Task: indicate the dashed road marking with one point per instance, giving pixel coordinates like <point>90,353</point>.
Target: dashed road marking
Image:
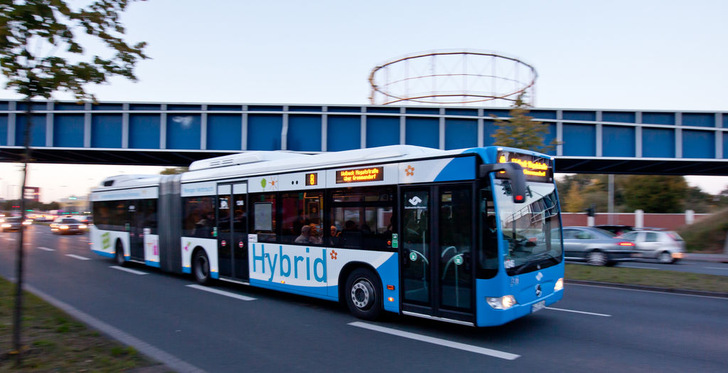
<point>437,341</point>
<point>220,292</point>
<point>129,270</point>
<point>579,312</point>
<point>79,257</point>
<point>45,248</point>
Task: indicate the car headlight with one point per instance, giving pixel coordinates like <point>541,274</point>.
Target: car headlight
<point>83,226</point>
<point>559,284</point>
<point>501,303</point>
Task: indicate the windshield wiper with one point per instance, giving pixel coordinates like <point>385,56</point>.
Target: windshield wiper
<point>537,261</point>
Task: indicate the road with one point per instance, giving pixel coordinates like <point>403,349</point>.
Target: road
<point>238,328</point>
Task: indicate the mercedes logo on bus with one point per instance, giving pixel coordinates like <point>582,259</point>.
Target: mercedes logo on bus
<point>538,290</point>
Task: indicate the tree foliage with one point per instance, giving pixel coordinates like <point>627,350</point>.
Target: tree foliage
<point>40,52</point>
<point>656,194</point>
<point>520,130</point>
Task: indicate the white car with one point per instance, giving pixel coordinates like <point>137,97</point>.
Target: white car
<point>665,246</point>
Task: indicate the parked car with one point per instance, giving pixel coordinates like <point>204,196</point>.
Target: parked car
<point>665,246</point>
<point>68,226</point>
<point>596,246</point>
<point>618,230</point>
<point>10,223</point>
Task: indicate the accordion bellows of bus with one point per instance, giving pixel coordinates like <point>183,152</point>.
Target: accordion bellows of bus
<point>468,236</point>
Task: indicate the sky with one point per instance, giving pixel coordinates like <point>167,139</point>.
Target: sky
<point>647,55</point>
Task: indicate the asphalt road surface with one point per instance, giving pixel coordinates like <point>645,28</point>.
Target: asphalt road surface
<point>238,328</point>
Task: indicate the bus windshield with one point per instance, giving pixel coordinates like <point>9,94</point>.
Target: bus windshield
<point>527,227</point>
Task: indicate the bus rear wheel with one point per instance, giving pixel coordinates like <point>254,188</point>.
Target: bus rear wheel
<point>201,268</point>
<point>363,294</point>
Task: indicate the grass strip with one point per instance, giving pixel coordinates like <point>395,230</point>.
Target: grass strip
<point>648,277</point>
<point>54,341</point>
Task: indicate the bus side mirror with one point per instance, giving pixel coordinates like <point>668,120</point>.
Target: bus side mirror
<point>514,172</point>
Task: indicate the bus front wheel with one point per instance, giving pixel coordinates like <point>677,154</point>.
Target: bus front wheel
<point>201,268</point>
<point>363,294</point>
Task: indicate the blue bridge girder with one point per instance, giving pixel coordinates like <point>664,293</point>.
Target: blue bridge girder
<point>175,134</point>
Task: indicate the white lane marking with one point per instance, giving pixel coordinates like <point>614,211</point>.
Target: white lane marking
<point>79,257</point>
<point>129,270</point>
<point>579,312</point>
<point>45,248</point>
<point>220,292</point>
<point>437,341</point>
<point>9,238</point>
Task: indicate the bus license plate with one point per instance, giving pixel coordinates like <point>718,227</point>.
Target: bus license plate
<point>538,306</point>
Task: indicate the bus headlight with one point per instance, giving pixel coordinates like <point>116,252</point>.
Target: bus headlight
<point>502,303</point>
<point>559,285</point>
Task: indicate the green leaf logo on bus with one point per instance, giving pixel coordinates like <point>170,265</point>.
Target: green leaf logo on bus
<point>263,183</point>
<point>106,241</point>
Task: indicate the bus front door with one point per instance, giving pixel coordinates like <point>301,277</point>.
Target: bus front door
<point>232,234</point>
<point>436,245</point>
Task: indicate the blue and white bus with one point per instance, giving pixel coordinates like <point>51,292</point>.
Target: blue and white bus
<point>465,236</point>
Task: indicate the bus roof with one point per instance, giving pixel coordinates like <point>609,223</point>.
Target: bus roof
<point>251,163</point>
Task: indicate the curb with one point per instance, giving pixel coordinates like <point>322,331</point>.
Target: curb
<point>649,288</point>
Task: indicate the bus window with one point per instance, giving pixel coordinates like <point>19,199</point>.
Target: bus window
<point>301,209</point>
<point>362,217</point>
<point>488,255</point>
<point>264,217</point>
<point>199,217</point>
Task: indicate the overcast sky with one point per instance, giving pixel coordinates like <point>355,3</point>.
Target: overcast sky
<point>654,55</point>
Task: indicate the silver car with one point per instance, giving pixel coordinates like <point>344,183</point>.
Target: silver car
<point>596,246</point>
<point>10,223</point>
<point>665,246</point>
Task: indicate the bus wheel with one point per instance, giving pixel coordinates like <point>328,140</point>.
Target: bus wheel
<point>119,256</point>
<point>201,268</point>
<point>363,295</point>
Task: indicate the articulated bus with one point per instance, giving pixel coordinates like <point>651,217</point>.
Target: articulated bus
<point>465,236</point>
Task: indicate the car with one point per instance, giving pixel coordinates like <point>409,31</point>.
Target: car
<point>595,246</point>
<point>618,230</point>
<point>68,226</point>
<point>665,246</point>
<point>10,223</point>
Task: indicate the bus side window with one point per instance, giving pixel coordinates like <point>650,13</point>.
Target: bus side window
<point>263,218</point>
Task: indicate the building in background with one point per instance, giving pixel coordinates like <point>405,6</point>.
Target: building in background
<point>74,205</point>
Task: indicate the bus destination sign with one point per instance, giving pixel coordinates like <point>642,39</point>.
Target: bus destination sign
<point>535,168</point>
<point>360,175</point>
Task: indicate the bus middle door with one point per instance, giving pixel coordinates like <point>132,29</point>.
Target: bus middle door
<point>232,234</point>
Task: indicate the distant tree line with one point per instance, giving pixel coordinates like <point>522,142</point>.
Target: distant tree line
<point>650,193</point>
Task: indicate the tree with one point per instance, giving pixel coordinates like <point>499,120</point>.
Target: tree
<point>520,130</point>
<point>40,54</point>
<point>655,194</point>
<point>574,201</point>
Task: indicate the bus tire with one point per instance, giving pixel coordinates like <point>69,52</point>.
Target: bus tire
<point>119,254</point>
<point>201,267</point>
<point>363,294</point>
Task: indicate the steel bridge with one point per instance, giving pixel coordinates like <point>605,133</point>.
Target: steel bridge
<point>175,134</point>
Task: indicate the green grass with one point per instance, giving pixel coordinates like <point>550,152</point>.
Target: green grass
<point>54,341</point>
<point>707,235</point>
<point>648,277</point>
